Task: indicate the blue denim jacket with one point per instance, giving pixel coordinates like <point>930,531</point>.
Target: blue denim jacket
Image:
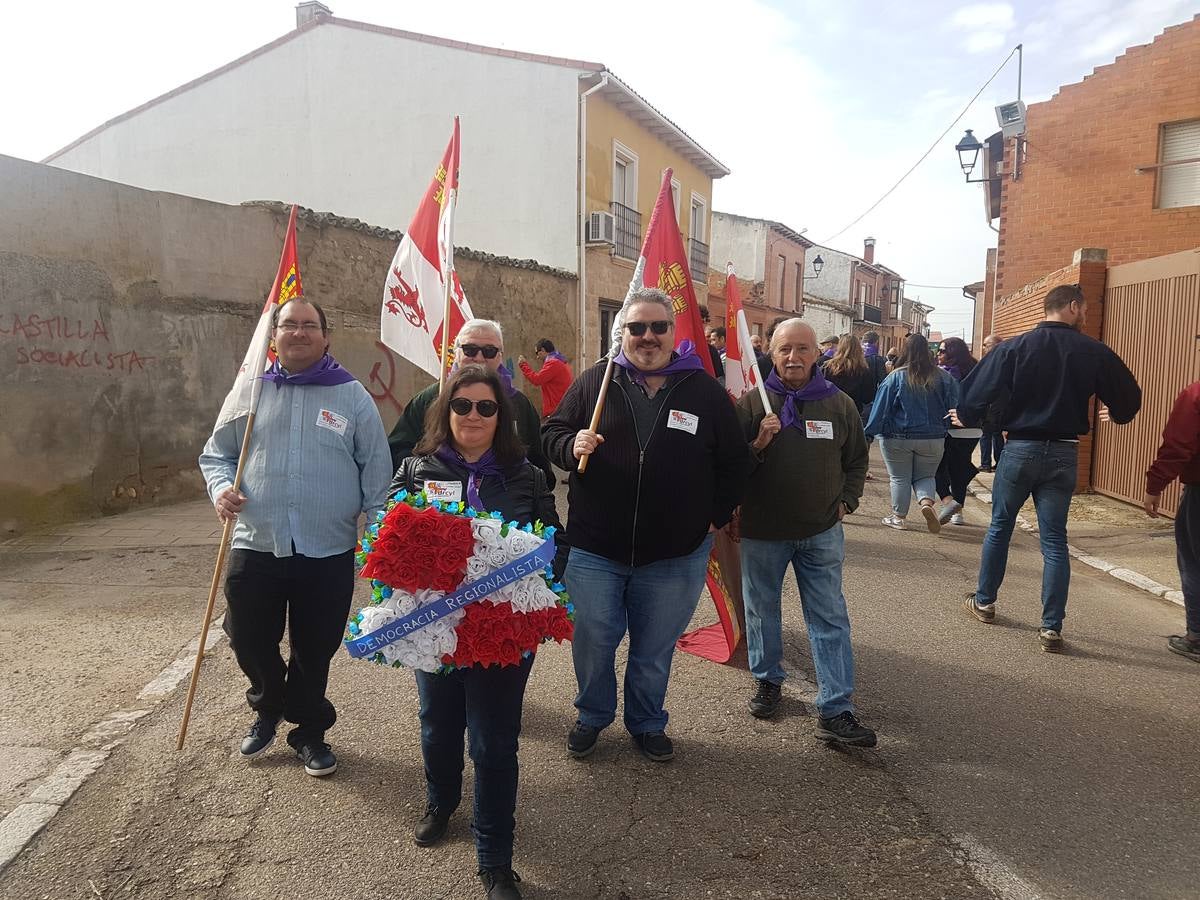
<point>903,411</point>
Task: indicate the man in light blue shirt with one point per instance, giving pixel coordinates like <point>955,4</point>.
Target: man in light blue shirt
<point>318,457</point>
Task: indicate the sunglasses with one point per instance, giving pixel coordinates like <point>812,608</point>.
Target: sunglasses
<point>472,350</point>
<point>462,406</point>
<point>637,329</point>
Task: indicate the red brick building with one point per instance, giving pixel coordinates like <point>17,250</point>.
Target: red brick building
<point>1111,162</point>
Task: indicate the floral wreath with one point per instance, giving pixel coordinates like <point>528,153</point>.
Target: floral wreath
<point>419,551</point>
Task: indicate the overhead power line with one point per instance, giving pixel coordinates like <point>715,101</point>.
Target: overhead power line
<point>924,155</point>
<point>935,287</point>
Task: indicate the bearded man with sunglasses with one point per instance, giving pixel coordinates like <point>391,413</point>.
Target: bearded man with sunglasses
<point>666,467</point>
<point>479,342</point>
<point>317,458</point>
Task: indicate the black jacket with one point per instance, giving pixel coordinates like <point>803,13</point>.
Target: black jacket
<point>859,387</point>
<point>411,426</point>
<point>1044,380</point>
<point>639,506</point>
<point>522,495</point>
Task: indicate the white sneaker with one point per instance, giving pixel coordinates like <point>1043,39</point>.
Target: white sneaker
<point>947,511</point>
<point>894,522</point>
<point>957,519</point>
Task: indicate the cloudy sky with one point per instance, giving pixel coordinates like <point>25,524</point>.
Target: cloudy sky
<point>817,106</point>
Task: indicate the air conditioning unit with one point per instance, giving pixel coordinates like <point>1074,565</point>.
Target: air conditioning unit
<point>602,228</point>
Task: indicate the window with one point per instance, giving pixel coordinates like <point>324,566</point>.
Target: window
<point>1179,184</point>
<point>782,280</point>
<point>608,318</point>
<point>698,220</point>
<point>625,176</point>
<point>799,286</point>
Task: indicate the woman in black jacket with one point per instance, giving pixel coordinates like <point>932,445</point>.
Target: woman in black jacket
<point>848,369</point>
<point>470,452</point>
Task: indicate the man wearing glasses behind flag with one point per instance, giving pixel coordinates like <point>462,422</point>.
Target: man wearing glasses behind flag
<point>666,467</point>
<point>479,342</point>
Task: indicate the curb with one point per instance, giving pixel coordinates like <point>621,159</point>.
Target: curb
<point>30,816</point>
<point>1130,577</point>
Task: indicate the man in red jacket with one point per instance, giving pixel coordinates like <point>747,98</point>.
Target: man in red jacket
<point>554,377</point>
<point>1179,457</point>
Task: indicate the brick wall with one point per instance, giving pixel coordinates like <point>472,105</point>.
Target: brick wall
<point>1077,185</point>
<point>1021,310</point>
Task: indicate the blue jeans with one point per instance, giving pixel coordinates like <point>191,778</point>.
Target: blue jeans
<point>1045,469</point>
<point>912,464</point>
<point>817,563</point>
<point>990,445</point>
<point>486,703</point>
<point>654,603</point>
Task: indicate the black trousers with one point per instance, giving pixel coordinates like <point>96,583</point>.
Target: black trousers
<point>1187,549</point>
<point>956,469</point>
<point>312,596</point>
<point>486,704</point>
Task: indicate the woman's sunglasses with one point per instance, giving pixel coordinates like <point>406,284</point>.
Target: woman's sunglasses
<point>462,406</point>
<point>637,329</point>
<point>488,351</point>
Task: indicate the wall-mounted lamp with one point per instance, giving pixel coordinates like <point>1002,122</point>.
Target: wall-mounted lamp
<point>817,265</point>
<point>968,154</point>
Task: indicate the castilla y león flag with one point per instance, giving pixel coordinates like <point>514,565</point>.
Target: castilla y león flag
<point>664,265</point>
<point>242,398</point>
<point>411,319</point>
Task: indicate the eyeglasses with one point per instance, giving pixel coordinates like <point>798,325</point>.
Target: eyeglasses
<point>471,350</point>
<point>297,327</point>
<point>462,406</point>
<point>637,329</point>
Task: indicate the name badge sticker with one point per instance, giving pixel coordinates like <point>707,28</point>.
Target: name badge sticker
<point>328,419</point>
<point>684,421</point>
<point>819,430</point>
<point>446,491</point>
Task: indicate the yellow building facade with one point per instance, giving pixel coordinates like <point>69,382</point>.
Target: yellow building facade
<point>628,145</point>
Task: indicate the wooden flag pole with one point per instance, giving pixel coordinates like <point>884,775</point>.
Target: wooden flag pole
<point>600,398</point>
<point>212,591</point>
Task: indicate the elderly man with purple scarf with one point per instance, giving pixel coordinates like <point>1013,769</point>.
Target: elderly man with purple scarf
<point>666,467</point>
<point>318,458</point>
<point>810,461</point>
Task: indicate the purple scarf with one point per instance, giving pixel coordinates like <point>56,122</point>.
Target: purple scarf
<point>870,350</point>
<point>953,370</point>
<point>556,355</point>
<point>684,359</point>
<point>486,465</point>
<point>325,372</point>
<point>816,389</point>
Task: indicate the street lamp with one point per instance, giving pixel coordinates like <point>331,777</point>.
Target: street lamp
<point>968,153</point>
<point>817,265</point>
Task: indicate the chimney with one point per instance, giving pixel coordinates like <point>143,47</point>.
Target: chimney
<point>869,251</point>
<point>309,10</point>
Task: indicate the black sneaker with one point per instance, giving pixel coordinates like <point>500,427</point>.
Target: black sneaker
<point>582,740</point>
<point>846,730</point>
<point>766,700</point>
<point>500,883</point>
<point>982,613</point>
<point>431,828</point>
<point>318,759</point>
<point>655,745</point>
<point>259,738</point>
<point>1184,646</point>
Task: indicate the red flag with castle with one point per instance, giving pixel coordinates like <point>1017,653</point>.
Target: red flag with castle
<point>666,268</point>
<point>242,398</point>
<point>411,318</point>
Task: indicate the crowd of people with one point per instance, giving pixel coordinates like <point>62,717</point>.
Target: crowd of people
<point>670,462</point>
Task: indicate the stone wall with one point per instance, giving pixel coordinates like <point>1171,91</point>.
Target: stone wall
<point>125,313</point>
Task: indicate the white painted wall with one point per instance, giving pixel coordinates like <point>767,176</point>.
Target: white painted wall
<point>825,321</point>
<point>834,281</point>
<point>742,241</point>
<point>354,122</point>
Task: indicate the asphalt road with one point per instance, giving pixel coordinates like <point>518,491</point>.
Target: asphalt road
<point>1001,770</point>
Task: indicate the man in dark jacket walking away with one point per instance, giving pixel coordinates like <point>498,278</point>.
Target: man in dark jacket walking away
<point>1179,457</point>
<point>666,467</point>
<point>1046,379</point>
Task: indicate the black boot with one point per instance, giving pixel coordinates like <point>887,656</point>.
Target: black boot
<point>500,883</point>
<point>432,827</point>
